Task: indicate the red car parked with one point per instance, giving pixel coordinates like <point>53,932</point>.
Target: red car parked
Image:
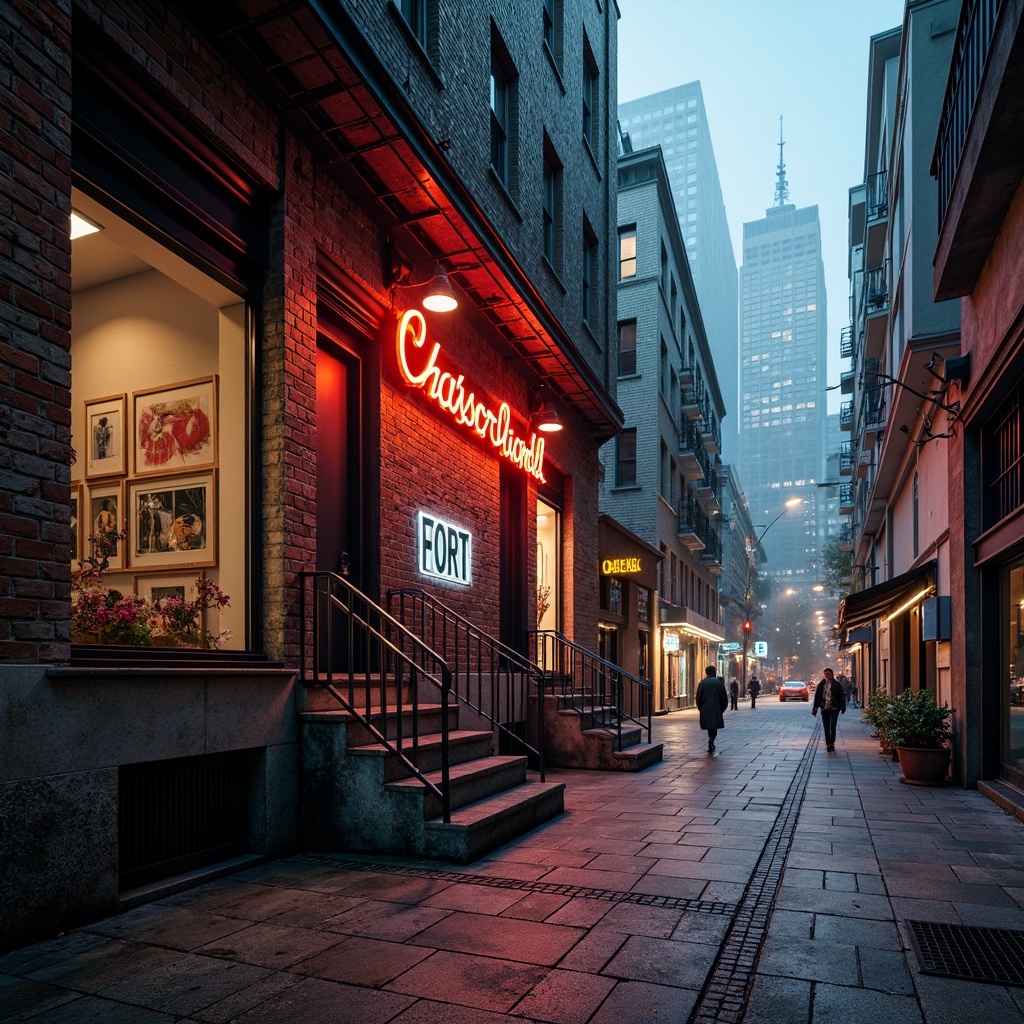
<point>793,689</point>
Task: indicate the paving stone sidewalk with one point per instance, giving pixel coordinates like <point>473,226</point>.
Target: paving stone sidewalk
<point>770,882</point>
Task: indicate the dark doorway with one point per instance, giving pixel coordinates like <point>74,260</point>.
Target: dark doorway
<point>338,490</point>
<point>512,561</point>
<point>338,496</point>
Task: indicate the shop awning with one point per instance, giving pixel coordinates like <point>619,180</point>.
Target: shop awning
<point>876,601</point>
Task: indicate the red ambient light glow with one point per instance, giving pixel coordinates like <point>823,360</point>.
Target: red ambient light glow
<point>451,394</point>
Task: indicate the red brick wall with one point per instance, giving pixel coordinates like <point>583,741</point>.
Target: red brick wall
<point>426,462</point>
<point>35,318</point>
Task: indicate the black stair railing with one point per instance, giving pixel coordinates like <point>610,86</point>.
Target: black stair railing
<point>590,683</point>
<point>489,677</point>
<point>375,668</point>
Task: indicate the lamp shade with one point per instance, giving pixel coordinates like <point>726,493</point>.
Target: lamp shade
<point>439,297</point>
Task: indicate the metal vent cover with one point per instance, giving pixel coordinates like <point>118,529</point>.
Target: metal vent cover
<point>991,955</point>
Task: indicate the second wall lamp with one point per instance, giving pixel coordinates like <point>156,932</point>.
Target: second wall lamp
<point>397,273</point>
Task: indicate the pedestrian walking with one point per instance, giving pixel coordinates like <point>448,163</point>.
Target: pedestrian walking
<point>754,689</point>
<point>712,700</point>
<point>830,698</point>
<point>734,693</point>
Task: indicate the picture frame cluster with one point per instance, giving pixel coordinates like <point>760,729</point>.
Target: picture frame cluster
<point>150,470</point>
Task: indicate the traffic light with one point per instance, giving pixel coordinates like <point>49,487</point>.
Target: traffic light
<point>747,626</point>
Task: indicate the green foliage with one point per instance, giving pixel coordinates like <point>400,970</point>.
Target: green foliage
<point>913,719</point>
<point>877,711</point>
<point>835,565</point>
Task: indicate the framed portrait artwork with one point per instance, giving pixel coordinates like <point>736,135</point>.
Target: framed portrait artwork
<point>174,428</point>
<point>105,450</point>
<point>76,522</point>
<point>104,518</point>
<point>157,587</point>
<point>172,522</point>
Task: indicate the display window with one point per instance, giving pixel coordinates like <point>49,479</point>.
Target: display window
<point>549,573</point>
<point>159,398</point>
<point>1012,690</point>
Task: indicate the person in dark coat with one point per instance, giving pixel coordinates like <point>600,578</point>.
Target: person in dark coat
<point>830,698</point>
<point>734,694</point>
<point>754,688</point>
<point>712,700</point>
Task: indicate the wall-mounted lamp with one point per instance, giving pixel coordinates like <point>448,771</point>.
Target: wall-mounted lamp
<point>397,273</point>
<point>543,415</point>
<point>81,226</point>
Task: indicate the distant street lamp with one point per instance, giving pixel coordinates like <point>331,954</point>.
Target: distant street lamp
<point>751,556</point>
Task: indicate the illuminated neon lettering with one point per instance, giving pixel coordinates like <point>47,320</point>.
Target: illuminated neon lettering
<point>449,391</point>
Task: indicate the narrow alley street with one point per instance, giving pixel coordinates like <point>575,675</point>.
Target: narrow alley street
<point>771,882</point>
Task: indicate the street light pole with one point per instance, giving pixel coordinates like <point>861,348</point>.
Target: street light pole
<point>751,555</point>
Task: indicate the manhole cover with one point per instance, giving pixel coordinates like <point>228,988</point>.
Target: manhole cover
<point>993,955</point>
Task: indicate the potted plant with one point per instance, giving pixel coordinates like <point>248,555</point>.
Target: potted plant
<point>918,730</point>
<point>877,714</point>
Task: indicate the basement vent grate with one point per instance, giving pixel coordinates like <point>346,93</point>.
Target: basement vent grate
<point>992,955</point>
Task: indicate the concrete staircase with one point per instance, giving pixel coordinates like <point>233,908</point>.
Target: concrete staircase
<point>587,737</point>
<point>358,796</point>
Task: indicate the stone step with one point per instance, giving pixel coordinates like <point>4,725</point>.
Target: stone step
<point>487,824</point>
<point>637,757</point>
<point>630,734</point>
<point>319,698</point>
<point>463,745</point>
<point>469,782</point>
<point>359,735</point>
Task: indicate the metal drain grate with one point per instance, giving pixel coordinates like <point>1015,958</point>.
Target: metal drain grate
<point>993,955</point>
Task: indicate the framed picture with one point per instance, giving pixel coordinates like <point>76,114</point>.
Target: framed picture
<point>76,522</point>
<point>104,517</point>
<point>105,451</point>
<point>174,429</point>
<point>159,586</point>
<point>172,522</point>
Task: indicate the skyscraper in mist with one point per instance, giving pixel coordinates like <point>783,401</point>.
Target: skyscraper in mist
<point>675,119</point>
<point>783,371</point>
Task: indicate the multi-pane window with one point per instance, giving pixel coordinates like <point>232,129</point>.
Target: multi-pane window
<point>627,348</point>
<point>549,212</point>
<point>552,206</point>
<point>415,13</point>
<point>625,458</point>
<point>627,252</point>
<point>589,271</point>
<point>590,95</point>
<point>499,121</point>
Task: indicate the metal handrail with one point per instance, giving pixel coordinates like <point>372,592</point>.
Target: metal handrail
<point>338,622</point>
<point>591,682</point>
<point>489,677</point>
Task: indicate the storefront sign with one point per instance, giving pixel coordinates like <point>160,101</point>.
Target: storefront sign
<point>670,643</point>
<point>729,648</point>
<point>452,393</point>
<point>445,551</point>
<point>620,566</point>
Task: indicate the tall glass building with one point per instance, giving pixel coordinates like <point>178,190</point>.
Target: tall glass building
<point>675,119</point>
<point>783,370</point>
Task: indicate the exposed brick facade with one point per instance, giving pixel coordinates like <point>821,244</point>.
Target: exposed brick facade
<point>424,461</point>
<point>35,317</point>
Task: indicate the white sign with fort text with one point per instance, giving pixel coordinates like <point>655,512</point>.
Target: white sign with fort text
<point>445,551</point>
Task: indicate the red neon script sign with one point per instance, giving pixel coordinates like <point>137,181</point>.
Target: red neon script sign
<point>450,392</point>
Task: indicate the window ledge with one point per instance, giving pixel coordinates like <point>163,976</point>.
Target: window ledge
<point>554,67</point>
<point>549,266</point>
<point>503,189</point>
<point>623,488</point>
<point>417,47</point>
<point>593,159</point>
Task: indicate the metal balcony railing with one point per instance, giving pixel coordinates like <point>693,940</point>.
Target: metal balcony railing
<point>845,456</point>
<point>876,286</point>
<point>877,195</point>
<point>846,415</point>
<point>970,54</point>
<point>846,343</point>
